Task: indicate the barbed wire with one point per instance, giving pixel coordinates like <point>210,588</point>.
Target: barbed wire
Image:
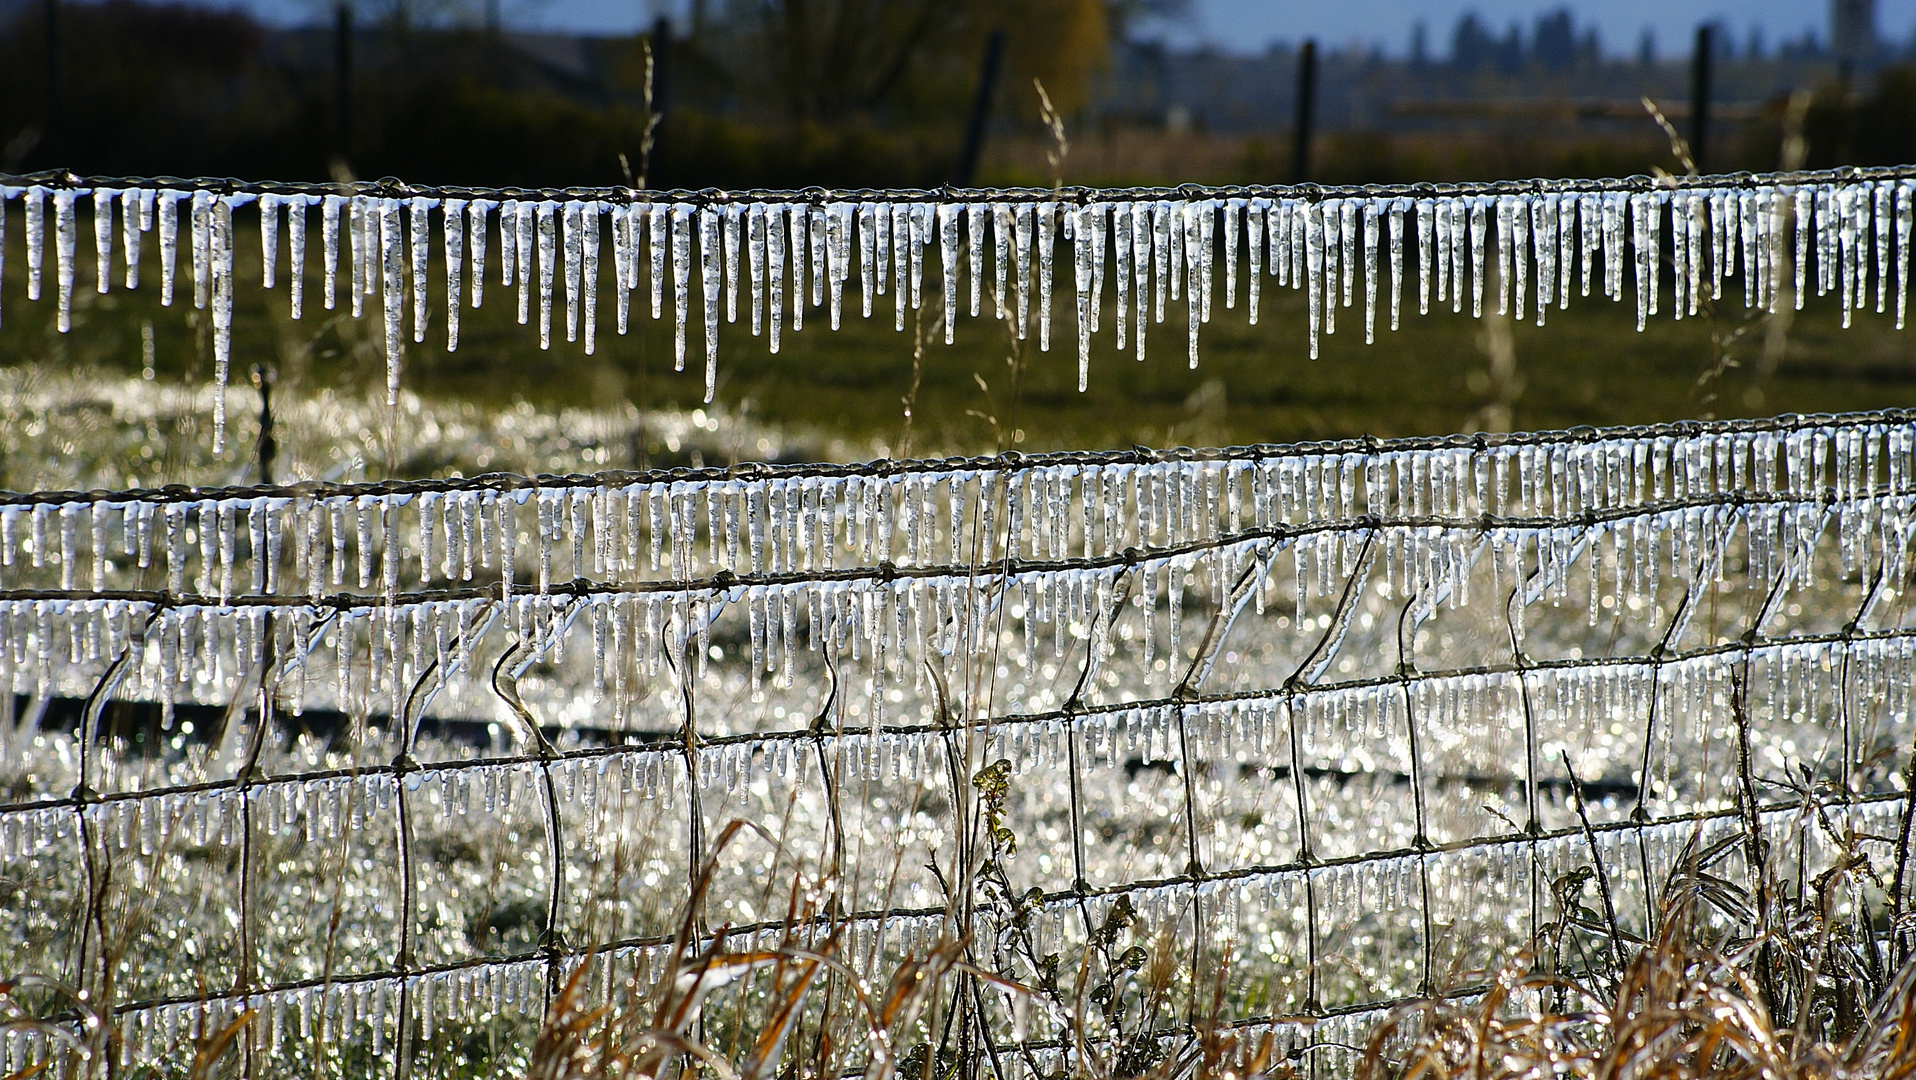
<point>393,187</point>
<point>1009,461</point>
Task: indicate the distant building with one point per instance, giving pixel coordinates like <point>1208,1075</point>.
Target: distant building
<point>1853,31</point>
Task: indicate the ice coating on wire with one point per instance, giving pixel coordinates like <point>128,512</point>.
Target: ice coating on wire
<point>1851,226</point>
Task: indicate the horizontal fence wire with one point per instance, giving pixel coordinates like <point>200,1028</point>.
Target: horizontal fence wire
<point>394,187</point>
<point>1356,714</point>
<point>416,257</point>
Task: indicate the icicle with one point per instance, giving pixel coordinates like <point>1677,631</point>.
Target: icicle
<point>136,217</point>
<point>476,242</point>
<point>1426,254</point>
<point>948,214</point>
<point>510,270</point>
<point>220,228</point>
<point>1680,254</point>
<point>1121,248</point>
<point>625,226</point>
<point>799,217</point>
<point>1396,209</point>
<point>571,247</point>
<point>1653,245</point>
<point>709,285</point>
<point>1081,276</point>
<point>1347,239</point>
<point>900,234</point>
<point>868,259</point>
<point>1021,229</point>
<point>329,214</point>
<point>1543,234</point>
<point>1904,219</point>
<point>883,217</point>
<point>452,222</point>
<point>681,279</point>
<point>546,219</point>
<point>734,222</point>
<point>419,224</point>
<point>1143,247</point>
<point>1001,230</point>
<point>392,267</point>
<point>1506,241</point>
<point>589,272</point>
<point>527,237</point>
<point>1333,237</point>
<point>1314,273</point>
<point>755,260</point>
<point>1478,208</point>
<point>818,234</point>
<point>1565,225</point>
<point>658,242</point>
<point>1232,211</point>
<point>359,242</point>
<point>1614,203</point>
<point>1640,207</point>
<point>33,205</point>
<point>775,267</point>
<point>1883,190</point>
<point>64,240</point>
<point>1721,251</point>
<point>103,199</point>
<point>1255,224</point>
<point>295,253</point>
<point>1370,210</point>
<point>922,218</point>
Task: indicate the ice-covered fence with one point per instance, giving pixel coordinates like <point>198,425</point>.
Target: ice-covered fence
<point>1309,705</point>
<point>780,253</point>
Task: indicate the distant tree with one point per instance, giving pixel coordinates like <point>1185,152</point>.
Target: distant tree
<point>1555,44</point>
<point>1472,46</point>
<point>1509,55</point>
<point>1806,47</point>
<point>828,60</point>
<point>1722,40</point>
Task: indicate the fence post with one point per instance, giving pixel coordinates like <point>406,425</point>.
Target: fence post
<point>1700,95</point>
<point>1306,112</point>
<point>974,145</point>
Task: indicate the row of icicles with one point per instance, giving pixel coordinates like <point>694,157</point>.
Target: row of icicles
<point>959,514</point>
<point>1543,239</point>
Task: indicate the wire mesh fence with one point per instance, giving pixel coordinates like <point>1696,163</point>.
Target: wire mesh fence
<point>390,763</point>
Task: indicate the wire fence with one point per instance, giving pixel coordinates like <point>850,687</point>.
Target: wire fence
<point>388,763</point>
<point>1124,256</point>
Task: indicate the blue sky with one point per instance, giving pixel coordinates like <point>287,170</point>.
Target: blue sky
<point>1250,25</point>
<point>1246,25</point>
